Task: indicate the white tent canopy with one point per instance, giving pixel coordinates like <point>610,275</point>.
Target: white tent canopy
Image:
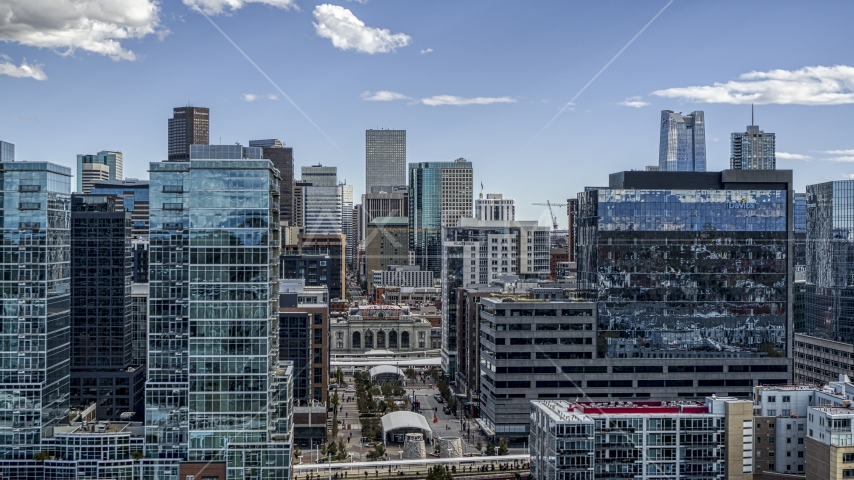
<point>406,421</point>
<point>386,370</point>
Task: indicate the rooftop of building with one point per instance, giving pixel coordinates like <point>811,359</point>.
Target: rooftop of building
<point>723,180</point>
<point>100,428</point>
<point>835,411</point>
<point>508,298</point>
<point>563,410</point>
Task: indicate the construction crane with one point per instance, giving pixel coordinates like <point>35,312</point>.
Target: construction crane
<point>550,205</point>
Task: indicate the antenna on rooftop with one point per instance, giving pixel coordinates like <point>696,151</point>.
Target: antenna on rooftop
<point>751,115</point>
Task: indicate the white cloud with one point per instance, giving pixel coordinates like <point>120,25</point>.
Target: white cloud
<point>807,86</point>
<point>359,1</point>
<point>792,156</point>
<point>428,50</point>
<point>455,100</point>
<point>251,97</point>
<point>24,70</point>
<point>349,33</point>
<point>839,152</point>
<point>846,159</point>
<point>383,96</point>
<point>96,26</point>
<point>635,102</point>
<point>215,7</point>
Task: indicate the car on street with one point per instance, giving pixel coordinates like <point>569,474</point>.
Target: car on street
<point>446,410</point>
<point>439,398</point>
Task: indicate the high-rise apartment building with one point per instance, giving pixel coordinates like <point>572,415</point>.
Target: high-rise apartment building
<point>495,207</point>
<point>188,126</point>
<point>102,368</point>
<point>480,252</point>
<point>299,204</point>
<point>104,165</point>
<point>283,159</point>
<point>752,150</point>
<point>214,391</point>
<point>440,193</point>
<point>385,158</point>
<point>690,270</point>
<point>682,146</point>
<point>320,176</point>
<point>7,152</point>
<point>131,196</point>
<point>35,341</point>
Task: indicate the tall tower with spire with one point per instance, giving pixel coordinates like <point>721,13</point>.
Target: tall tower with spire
<point>753,149</point>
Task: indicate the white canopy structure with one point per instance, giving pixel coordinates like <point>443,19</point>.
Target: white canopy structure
<point>402,422</point>
<point>390,370</point>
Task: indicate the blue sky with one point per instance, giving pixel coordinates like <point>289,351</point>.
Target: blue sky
<point>82,90</point>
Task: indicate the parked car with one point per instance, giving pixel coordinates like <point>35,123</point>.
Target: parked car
<point>439,399</point>
<point>446,410</point>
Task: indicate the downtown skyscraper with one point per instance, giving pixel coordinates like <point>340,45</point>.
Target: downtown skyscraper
<point>212,393</point>
<point>188,126</point>
<point>753,150</point>
<point>440,193</point>
<point>34,308</point>
<point>385,159</point>
<point>682,146</point>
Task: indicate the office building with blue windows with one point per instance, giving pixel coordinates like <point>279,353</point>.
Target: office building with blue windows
<point>7,152</point>
<point>440,193</point>
<point>131,196</point>
<point>690,270</point>
<point>682,146</point>
<point>213,396</point>
<point>825,349</point>
<point>35,217</point>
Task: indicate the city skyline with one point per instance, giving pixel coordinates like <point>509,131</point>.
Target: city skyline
<point>552,65</point>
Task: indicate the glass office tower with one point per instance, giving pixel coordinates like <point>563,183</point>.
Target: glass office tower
<point>7,152</point>
<point>682,146</point>
<point>696,266</point>
<point>439,194</point>
<point>213,328</point>
<point>36,283</point>
<point>385,158</point>
<point>102,368</point>
<point>830,261</point>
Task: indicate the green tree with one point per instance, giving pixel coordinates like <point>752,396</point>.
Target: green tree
<point>479,446</point>
<point>439,473</point>
<point>386,389</point>
<point>324,450</point>
<point>297,452</point>
<point>342,449</point>
<point>41,456</point>
<point>137,455</point>
<point>377,452</point>
<point>339,375</point>
<point>453,403</point>
<point>490,449</point>
<point>332,449</point>
<point>410,373</point>
<point>503,448</point>
<point>335,402</point>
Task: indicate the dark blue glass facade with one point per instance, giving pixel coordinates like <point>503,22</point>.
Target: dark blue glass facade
<point>829,300</point>
<point>686,273</point>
